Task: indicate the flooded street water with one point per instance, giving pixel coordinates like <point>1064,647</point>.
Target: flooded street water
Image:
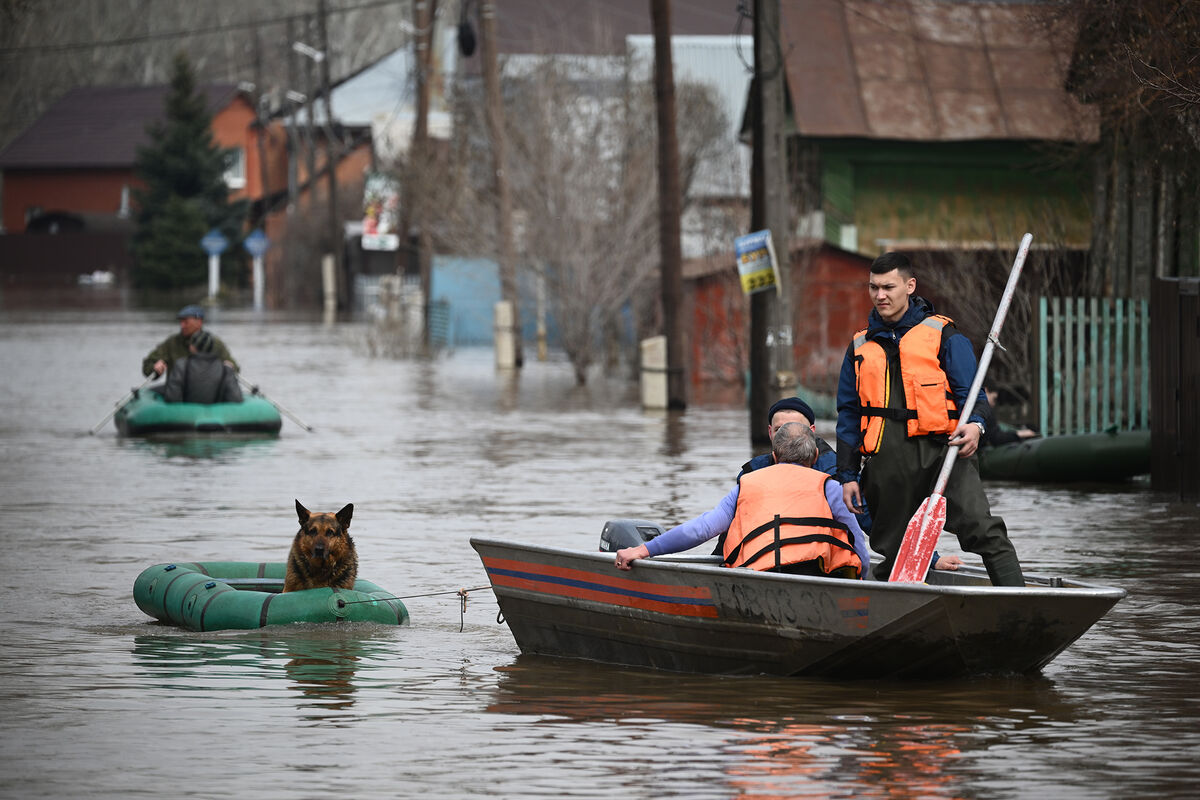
<point>100,700</point>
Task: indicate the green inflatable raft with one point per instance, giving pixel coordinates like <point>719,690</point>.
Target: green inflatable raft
<point>224,595</point>
<point>146,414</point>
<point>1104,456</point>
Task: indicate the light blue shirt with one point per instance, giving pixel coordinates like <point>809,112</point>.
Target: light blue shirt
<point>713,523</point>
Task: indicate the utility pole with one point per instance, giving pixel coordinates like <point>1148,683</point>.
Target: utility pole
<point>292,136</point>
<point>262,125</point>
<point>424,13</point>
<point>668,204</point>
<point>309,106</point>
<point>261,119</point>
<point>771,359</point>
<point>495,124</point>
<point>335,228</point>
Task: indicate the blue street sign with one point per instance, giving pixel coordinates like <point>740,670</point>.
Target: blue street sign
<point>214,242</point>
<point>256,243</point>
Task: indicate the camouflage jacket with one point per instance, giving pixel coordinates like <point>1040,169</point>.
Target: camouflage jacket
<point>175,347</point>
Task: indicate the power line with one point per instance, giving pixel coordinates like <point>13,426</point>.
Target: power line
<point>125,41</point>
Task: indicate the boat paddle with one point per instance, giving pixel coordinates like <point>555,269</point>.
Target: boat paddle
<point>128,396</point>
<point>921,535</point>
<point>255,390</point>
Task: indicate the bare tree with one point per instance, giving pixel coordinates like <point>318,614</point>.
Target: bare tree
<point>967,285</point>
<point>1137,63</point>
<point>582,171</point>
<point>50,46</point>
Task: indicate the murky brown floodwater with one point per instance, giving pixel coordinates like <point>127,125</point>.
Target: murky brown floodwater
<point>99,700</point>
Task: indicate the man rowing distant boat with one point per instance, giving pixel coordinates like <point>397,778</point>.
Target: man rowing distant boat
<point>175,346</point>
<point>786,517</point>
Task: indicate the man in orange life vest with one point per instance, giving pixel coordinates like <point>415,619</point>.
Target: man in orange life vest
<point>786,517</point>
<point>902,382</point>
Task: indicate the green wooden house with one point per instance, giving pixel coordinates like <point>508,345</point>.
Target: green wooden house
<point>944,130</point>
<point>935,126</point>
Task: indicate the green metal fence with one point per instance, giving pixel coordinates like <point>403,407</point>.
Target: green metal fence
<point>1093,364</point>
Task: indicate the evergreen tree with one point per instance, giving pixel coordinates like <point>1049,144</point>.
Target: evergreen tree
<point>184,194</point>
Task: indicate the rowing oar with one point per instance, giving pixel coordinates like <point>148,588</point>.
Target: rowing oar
<point>255,390</point>
<point>128,396</point>
<point>921,535</point>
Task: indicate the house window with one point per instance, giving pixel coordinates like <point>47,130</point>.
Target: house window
<point>235,169</point>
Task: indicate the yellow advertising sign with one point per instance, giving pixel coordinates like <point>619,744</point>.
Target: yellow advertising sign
<point>757,267</point>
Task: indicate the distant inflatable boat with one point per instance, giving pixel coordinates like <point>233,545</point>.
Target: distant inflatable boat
<point>242,595</point>
<point>1105,456</point>
<point>147,414</point>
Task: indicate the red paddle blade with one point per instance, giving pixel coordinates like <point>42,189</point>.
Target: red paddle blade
<point>920,540</point>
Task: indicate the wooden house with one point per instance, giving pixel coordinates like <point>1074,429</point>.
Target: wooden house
<point>72,173</point>
<point>940,129</point>
<point>935,125</point>
<point>829,302</point>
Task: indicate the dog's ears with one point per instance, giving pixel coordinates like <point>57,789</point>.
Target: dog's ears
<point>343,516</point>
<point>302,512</point>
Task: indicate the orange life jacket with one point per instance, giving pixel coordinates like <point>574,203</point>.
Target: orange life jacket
<point>782,517</point>
<point>929,405</point>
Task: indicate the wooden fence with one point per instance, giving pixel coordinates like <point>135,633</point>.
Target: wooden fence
<point>1093,364</point>
<point>1175,428</point>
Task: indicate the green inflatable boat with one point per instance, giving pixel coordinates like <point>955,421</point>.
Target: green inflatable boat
<point>226,595</point>
<point>1104,456</point>
<point>146,414</point>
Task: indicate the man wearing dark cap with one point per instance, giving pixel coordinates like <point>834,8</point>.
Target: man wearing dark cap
<point>175,347</point>
<point>783,411</point>
<point>793,409</point>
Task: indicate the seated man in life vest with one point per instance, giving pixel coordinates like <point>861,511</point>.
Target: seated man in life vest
<point>786,517</point>
<point>201,376</point>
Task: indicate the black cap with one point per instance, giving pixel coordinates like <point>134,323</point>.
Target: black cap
<point>792,404</point>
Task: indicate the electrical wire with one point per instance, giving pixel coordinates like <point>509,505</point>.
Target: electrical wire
<point>183,34</point>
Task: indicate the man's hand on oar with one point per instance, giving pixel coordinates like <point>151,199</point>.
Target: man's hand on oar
<point>966,439</point>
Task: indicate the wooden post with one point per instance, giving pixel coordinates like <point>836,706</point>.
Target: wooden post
<point>293,151</point>
<point>423,20</point>
<point>309,137</point>
<point>771,355</point>
<point>495,123</point>
<point>335,227</point>
<point>669,201</point>
<point>1175,392</point>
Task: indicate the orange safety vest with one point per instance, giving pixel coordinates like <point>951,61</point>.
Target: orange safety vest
<point>782,517</point>
<point>930,406</point>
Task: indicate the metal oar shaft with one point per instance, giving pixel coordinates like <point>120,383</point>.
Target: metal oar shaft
<point>120,403</point>
<point>255,390</point>
<point>985,359</point>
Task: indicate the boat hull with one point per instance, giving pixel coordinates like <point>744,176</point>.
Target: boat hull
<point>1114,456</point>
<point>226,595</point>
<point>147,414</point>
<point>689,615</point>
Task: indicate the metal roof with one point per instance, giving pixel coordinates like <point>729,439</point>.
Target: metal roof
<point>97,126</point>
<point>928,70</point>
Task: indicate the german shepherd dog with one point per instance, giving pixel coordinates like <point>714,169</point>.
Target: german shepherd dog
<point>322,553</point>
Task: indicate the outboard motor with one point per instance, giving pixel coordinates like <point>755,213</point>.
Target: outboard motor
<point>620,533</point>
